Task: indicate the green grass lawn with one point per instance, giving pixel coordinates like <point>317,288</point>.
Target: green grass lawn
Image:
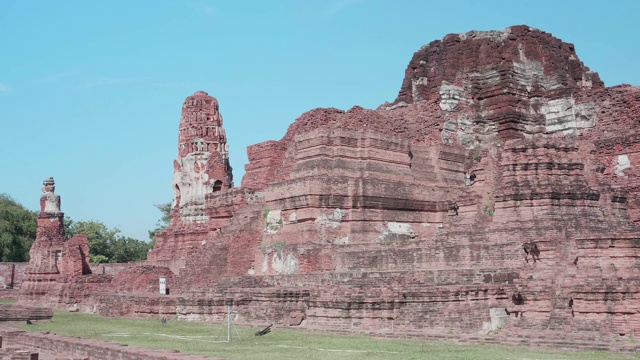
<point>282,344</point>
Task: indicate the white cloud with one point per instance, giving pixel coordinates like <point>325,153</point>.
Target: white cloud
<point>206,9</point>
<point>171,84</point>
<point>205,13</point>
<point>337,6</point>
<point>3,88</point>
<point>53,77</point>
<point>97,81</point>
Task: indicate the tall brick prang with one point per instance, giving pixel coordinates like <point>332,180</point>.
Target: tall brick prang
<point>201,169</point>
<point>202,165</point>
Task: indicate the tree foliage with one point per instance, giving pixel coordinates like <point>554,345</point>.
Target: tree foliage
<point>107,245</point>
<point>18,228</point>
<point>163,223</point>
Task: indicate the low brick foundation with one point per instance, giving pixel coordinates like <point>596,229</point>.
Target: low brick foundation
<point>23,343</point>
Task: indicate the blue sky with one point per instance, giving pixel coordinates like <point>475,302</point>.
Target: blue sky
<point>91,92</point>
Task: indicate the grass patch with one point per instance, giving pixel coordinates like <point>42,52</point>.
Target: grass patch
<point>282,344</point>
<point>6,301</point>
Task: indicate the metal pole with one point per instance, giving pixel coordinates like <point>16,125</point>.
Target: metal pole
<point>228,322</point>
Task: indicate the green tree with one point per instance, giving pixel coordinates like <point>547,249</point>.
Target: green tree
<point>163,222</point>
<point>67,222</point>
<point>107,245</point>
<point>18,228</point>
<point>98,259</point>
<point>126,249</point>
<point>99,235</point>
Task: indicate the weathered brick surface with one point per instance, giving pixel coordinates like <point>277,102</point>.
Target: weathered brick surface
<point>53,258</point>
<point>498,144</point>
<point>12,275</point>
<point>200,169</point>
<point>17,312</point>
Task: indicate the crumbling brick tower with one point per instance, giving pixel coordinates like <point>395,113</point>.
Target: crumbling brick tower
<point>201,168</point>
<point>53,258</point>
<point>47,249</point>
<point>202,165</point>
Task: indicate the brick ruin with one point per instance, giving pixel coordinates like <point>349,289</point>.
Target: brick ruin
<point>54,259</point>
<point>499,191</point>
<point>59,274</point>
<point>21,345</point>
<point>200,169</point>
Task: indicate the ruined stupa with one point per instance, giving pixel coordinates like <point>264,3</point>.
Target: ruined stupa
<point>54,259</point>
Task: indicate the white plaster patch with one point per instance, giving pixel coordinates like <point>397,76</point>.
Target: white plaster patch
<point>528,72</point>
<point>397,230</point>
<point>332,220</point>
<point>400,228</point>
<point>51,203</point>
<point>496,35</point>
<point>293,218</point>
<point>398,105</point>
<point>191,184</point>
<point>489,77</point>
<point>450,96</point>
<point>467,132</point>
<point>587,80</point>
<point>274,222</point>
<point>531,72</point>
<point>416,84</point>
<point>51,200</point>
<point>623,164</point>
<point>450,125</point>
<point>559,115</point>
<point>340,241</point>
<point>563,115</point>
<point>585,115</point>
<point>283,264</point>
<point>498,317</point>
<point>448,130</point>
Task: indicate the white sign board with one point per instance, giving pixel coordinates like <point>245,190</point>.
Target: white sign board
<point>163,285</point>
